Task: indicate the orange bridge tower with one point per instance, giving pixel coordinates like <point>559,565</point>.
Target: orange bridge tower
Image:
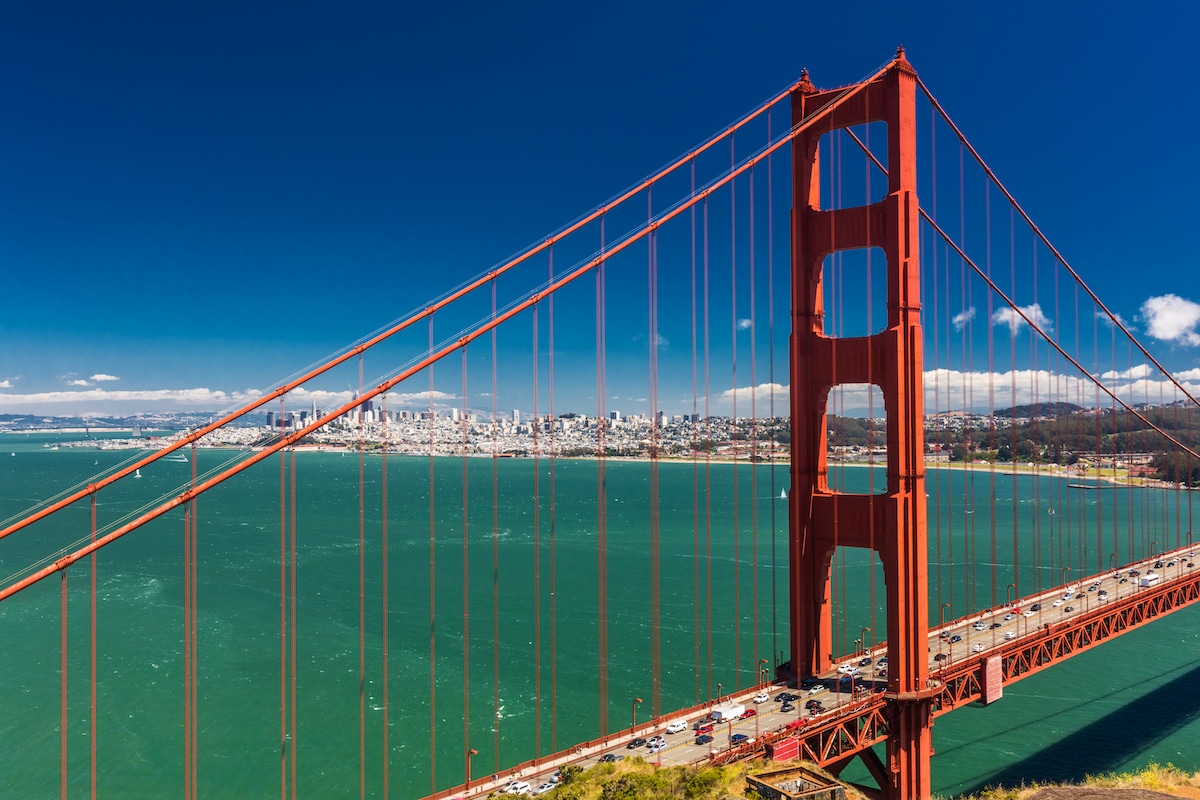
<point>892,524</point>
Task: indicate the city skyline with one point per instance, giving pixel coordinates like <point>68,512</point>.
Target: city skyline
<point>195,208</point>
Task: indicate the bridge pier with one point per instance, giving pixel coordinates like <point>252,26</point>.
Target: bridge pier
<point>892,524</point>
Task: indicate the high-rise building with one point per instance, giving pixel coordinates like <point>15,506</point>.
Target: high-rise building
<point>270,419</point>
<point>516,417</point>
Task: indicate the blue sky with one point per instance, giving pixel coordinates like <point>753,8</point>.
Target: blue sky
<point>195,202</point>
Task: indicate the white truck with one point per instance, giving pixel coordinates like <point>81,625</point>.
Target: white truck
<point>727,711</point>
<point>1149,579</point>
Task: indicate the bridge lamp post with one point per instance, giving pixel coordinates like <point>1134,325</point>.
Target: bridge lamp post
<point>1153,549</point>
<point>718,694</point>
<point>471,752</point>
<point>865,631</point>
<point>1066,571</point>
<point>633,725</point>
<point>762,669</point>
<point>1011,590</point>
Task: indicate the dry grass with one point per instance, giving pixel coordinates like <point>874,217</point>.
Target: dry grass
<point>1169,779</point>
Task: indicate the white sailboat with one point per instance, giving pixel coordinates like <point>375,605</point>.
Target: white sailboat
<point>783,494</point>
<point>137,473</point>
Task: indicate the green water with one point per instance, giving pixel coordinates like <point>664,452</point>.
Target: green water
<point>1119,706</point>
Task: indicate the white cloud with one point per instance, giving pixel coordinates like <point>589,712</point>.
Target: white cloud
<point>100,376</point>
<point>1014,320</point>
<point>78,383</point>
<point>103,401</point>
<point>6,384</point>
<point>1140,371</point>
<point>1188,374</point>
<point>761,394</point>
<point>743,324</point>
<point>1171,318</point>
<point>960,320</point>
<point>1100,315</point>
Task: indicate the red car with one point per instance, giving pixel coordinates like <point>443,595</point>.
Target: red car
<point>748,713</point>
<point>704,728</point>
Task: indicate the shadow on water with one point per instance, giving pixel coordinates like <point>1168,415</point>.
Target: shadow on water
<point>1109,742</point>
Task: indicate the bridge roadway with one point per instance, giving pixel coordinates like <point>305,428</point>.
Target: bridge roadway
<point>1033,633</point>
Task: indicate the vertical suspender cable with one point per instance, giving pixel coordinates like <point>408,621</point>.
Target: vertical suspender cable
<point>553,532</point>
<point>292,611</point>
<point>63,683</point>
<point>362,614</point>
<point>385,559</point>
<point>283,620</point>
<point>652,325</point>
<point>432,589</point>
<point>771,381</point>
<point>601,496</point>
<point>283,704</point>
<point>937,371</point>
<point>195,645</point>
<point>737,613</point>
<point>537,551</point>
<point>92,732</point>
<point>187,653</point>
<point>496,560</point>
<point>695,426</point>
<point>753,445</point>
<point>466,575</point>
<point>708,600</point>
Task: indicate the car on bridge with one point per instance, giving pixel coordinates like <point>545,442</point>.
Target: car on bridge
<point>1035,607</point>
<point>611,758</point>
<point>787,707</point>
<point>1010,635</point>
<point>740,738</point>
<point>655,740</point>
<point>518,787</point>
<point>703,738</point>
<point>636,743</point>
<point>1058,602</point>
<point>940,657</point>
<point>762,697</point>
<point>545,787</point>
<point>955,639</point>
<point>676,726</point>
<point>748,713</point>
<point>820,687</point>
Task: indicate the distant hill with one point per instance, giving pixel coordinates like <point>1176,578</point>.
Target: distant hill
<point>1039,410</point>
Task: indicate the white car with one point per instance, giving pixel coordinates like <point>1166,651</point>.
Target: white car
<point>654,748</point>
<point>677,726</point>
<point>545,787</point>
<point>1009,617</point>
<point>818,689</point>
<point>520,787</point>
<point>1010,635</point>
<point>979,626</point>
<point>977,648</point>
<point>762,697</point>
<point>1058,603</point>
<point>1027,614</point>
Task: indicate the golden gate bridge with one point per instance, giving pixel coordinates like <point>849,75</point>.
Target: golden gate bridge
<point>922,299</point>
